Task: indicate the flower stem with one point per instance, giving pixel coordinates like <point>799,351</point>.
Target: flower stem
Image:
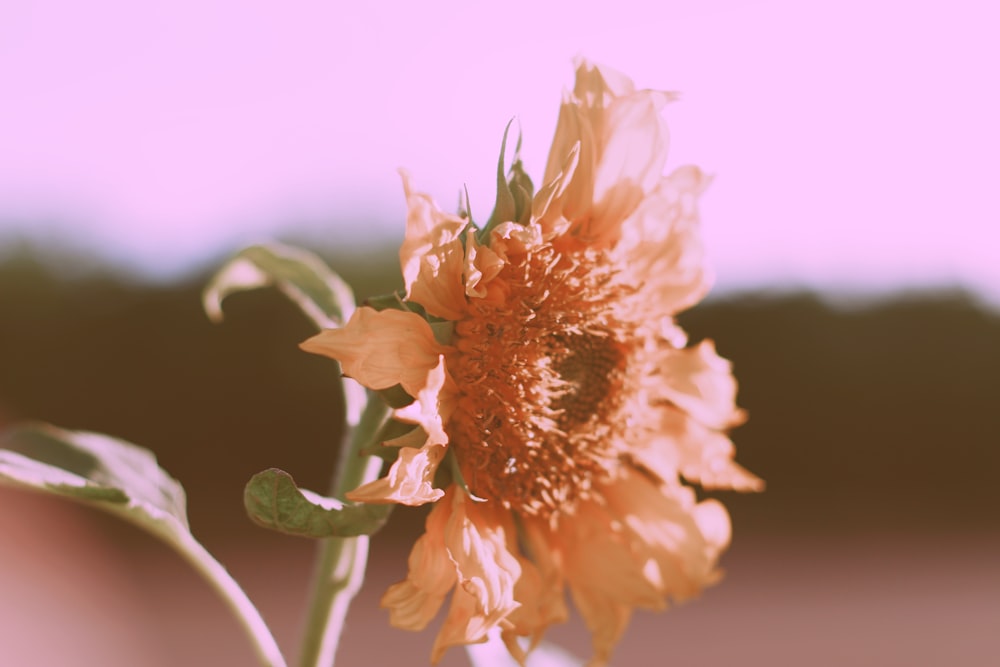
<point>340,569</point>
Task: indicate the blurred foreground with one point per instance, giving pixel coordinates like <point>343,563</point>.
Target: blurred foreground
<point>875,427</point>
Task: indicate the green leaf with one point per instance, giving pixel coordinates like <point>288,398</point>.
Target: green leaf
<point>504,209</point>
<point>126,481</point>
<point>321,294</point>
<point>274,501</point>
<point>93,467</point>
<point>392,301</point>
<point>522,190</point>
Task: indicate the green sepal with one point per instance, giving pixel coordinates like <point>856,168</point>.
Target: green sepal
<point>523,191</point>
<point>395,396</point>
<point>273,500</point>
<point>321,294</point>
<point>443,331</point>
<point>465,209</point>
<point>391,301</point>
<point>515,190</point>
<point>391,430</point>
<point>505,207</point>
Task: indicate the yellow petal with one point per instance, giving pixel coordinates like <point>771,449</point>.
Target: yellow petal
<point>574,144</point>
<point>539,589</point>
<point>661,245</point>
<point>605,577</point>
<point>432,257</point>
<point>633,141</point>
<point>482,265</point>
<point>432,405</point>
<point>702,455</point>
<point>700,382</point>
<point>414,602</point>
<point>410,480</point>
<point>510,238</point>
<point>683,538</point>
<point>476,539</point>
<point>622,142</point>
<point>381,349</point>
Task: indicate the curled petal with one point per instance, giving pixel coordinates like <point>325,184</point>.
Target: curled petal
<point>553,191</point>
<point>621,140</point>
<point>661,244</point>
<point>539,589</point>
<point>702,455</point>
<point>700,382</point>
<point>410,480</point>
<point>679,539</point>
<point>432,257</point>
<point>606,579</point>
<point>572,161</point>
<point>476,539</point>
<point>414,602</point>
<point>432,406</point>
<point>633,152</point>
<point>510,238</point>
<point>381,349</point>
<point>482,265</point>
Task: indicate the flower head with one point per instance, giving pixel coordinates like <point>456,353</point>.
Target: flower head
<point>546,368</point>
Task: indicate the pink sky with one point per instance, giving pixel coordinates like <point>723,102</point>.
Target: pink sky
<point>853,143</point>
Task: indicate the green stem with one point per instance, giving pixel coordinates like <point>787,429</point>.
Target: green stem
<point>340,569</point>
<point>263,641</point>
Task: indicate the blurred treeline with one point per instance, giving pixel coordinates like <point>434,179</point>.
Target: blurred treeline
<point>879,417</point>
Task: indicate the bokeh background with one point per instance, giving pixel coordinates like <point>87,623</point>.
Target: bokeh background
<point>853,225</point>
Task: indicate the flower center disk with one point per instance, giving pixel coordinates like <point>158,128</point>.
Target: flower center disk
<point>540,378</point>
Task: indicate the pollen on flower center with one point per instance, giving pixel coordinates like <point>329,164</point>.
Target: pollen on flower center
<point>540,377</point>
<point>589,366</point>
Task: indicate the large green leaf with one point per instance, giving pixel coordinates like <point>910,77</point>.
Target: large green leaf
<point>274,501</point>
<point>125,480</point>
<point>322,295</point>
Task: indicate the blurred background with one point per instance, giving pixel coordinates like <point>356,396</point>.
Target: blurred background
<point>852,223</point>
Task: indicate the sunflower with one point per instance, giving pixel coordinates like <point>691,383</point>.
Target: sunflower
<point>556,408</point>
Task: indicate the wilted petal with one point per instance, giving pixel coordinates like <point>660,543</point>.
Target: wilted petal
<point>683,538</point>
<point>605,577</point>
<point>431,406</point>
<point>701,383</point>
<point>410,480</point>
<point>414,602</point>
<point>539,589</point>
<point>482,265</point>
<point>572,161</point>
<point>701,454</point>
<point>476,538</point>
<point>432,257</point>
<point>510,238</point>
<point>381,349</point>
<point>661,244</point>
<point>633,152</point>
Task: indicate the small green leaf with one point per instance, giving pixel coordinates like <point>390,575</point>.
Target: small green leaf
<point>321,294</point>
<point>395,396</point>
<point>126,481</point>
<point>523,192</point>
<point>391,301</point>
<point>274,501</point>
